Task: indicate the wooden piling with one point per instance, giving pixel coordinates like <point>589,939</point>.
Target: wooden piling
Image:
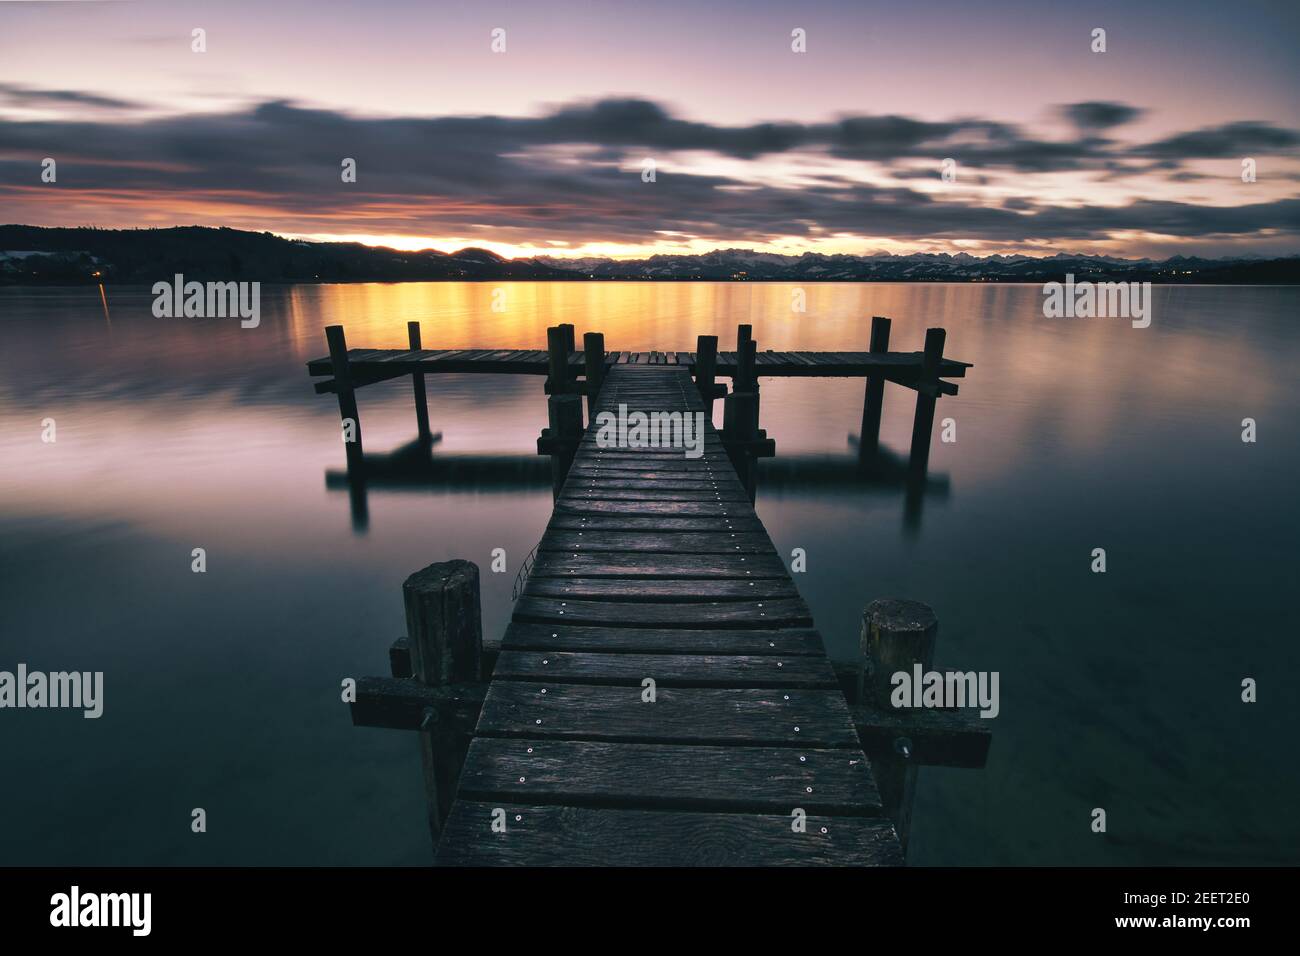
<point>445,633</point>
<point>927,393</point>
<point>417,379</point>
<point>896,635</point>
<point>569,337</point>
<point>706,369</point>
<point>443,624</point>
<point>874,399</point>
<point>557,358</point>
<point>593,348</point>
<point>564,413</point>
<point>347,398</point>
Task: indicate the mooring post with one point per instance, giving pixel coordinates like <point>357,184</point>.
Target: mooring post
<point>896,636</point>
<point>927,393</point>
<point>740,420</point>
<point>593,348</point>
<point>417,378</point>
<point>706,369</point>
<point>874,399</point>
<point>445,631</point>
<point>569,336</point>
<point>744,340</point>
<point>564,409</point>
<point>347,400</point>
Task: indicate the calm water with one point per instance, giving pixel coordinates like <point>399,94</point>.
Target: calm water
<point>222,690</point>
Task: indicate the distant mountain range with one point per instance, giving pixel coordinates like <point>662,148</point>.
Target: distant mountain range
<point>32,255</point>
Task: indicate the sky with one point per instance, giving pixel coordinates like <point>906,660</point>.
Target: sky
<point>543,147</point>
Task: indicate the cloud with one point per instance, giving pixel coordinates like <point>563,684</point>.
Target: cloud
<point>26,96</point>
<point>573,175</point>
<point>1095,115</point>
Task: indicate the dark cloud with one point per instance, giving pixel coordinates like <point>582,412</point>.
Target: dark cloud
<point>1096,115</point>
<point>573,175</point>
<point>1229,141</point>
<point>26,96</point>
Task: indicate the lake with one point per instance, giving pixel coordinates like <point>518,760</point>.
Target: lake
<point>1119,690</point>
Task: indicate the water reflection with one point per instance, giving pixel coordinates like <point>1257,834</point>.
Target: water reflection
<point>174,434</point>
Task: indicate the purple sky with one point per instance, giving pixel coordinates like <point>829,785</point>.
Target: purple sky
<point>1135,151</point>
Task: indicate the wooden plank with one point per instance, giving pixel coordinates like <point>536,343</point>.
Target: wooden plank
<point>645,640</point>
<point>578,521</point>
<point>664,776</point>
<point>685,542</point>
<point>539,835</point>
<point>756,614</point>
<point>678,590</point>
<point>667,670</point>
<point>663,565</point>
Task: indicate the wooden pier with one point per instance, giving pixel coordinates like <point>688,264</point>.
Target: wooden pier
<point>661,695</point>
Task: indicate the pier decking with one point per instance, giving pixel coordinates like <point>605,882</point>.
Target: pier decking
<point>655,568</point>
<point>661,695</point>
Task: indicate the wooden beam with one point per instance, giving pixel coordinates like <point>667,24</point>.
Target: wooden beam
<point>593,348</point>
<point>417,380</point>
<point>347,400</point>
<point>923,423</point>
<point>873,400</point>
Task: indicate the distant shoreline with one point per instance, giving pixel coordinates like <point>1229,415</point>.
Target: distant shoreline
<point>35,256</point>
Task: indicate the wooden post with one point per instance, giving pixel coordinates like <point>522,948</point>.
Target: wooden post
<point>593,348</point>
<point>927,394</point>
<point>569,336</point>
<point>443,623</point>
<point>417,378</point>
<point>557,355</point>
<point>347,399</point>
<point>896,635</point>
<point>874,399</point>
<point>740,417</point>
<point>706,369</point>
<point>565,416</point>
<point>445,631</point>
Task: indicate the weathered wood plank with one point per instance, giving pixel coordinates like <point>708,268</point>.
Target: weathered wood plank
<point>667,670</point>
<point>665,776</point>
<point>736,614</point>
<point>538,835</point>
<point>661,565</point>
<point>647,640</point>
<point>574,587</point>
<point>583,520</point>
<point>769,717</point>
<point>685,542</point>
